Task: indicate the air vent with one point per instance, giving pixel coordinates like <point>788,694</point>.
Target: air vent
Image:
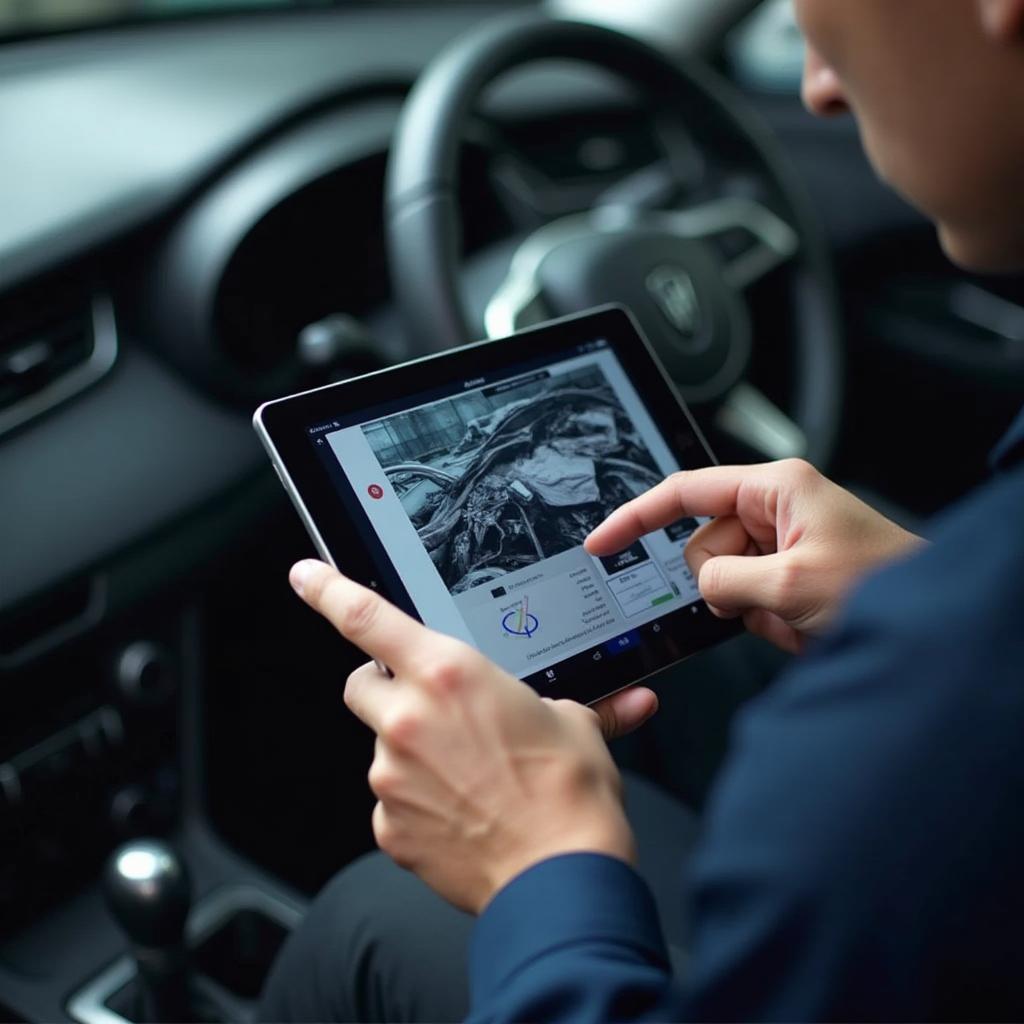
<point>50,349</point>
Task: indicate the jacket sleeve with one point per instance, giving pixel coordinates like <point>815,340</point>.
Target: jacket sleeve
<point>575,938</point>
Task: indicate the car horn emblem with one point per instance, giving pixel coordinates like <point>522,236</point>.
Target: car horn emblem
<point>673,291</point>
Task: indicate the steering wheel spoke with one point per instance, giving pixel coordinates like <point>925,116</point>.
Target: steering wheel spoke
<point>750,417</point>
<point>527,194</point>
<point>648,188</point>
<point>771,241</point>
<point>502,319</point>
<point>519,300</point>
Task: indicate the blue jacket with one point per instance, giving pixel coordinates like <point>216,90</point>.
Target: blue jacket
<point>864,850</point>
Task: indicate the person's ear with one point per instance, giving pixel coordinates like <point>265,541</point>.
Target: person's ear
<point>1002,20</point>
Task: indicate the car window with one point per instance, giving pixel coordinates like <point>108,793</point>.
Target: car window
<point>766,50</point>
<point>40,17</point>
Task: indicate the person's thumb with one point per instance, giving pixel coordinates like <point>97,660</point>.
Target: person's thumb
<point>625,711</point>
<point>733,584</point>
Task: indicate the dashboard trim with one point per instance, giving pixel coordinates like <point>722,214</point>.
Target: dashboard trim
<point>91,615</point>
<point>69,384</point>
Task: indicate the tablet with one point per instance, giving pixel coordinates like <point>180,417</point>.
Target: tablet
<point>461,486</point>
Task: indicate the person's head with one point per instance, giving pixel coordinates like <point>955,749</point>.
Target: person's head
<point>937,87</point>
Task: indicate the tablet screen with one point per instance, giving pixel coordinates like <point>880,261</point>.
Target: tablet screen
<point>475,496</point>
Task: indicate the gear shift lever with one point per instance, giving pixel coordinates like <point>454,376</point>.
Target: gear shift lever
<point>148,891</point>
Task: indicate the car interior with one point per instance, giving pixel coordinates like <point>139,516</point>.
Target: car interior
<point>206,205</point>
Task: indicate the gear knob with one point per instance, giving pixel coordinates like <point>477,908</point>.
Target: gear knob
<point>149,891</point>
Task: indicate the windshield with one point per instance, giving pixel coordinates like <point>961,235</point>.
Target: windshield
<point>36,17</point>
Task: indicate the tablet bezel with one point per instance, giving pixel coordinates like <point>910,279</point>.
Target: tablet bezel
<point>320,492</point>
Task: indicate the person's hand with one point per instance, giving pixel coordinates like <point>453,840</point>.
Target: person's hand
<point>477,778</point>
<point>785,548</point>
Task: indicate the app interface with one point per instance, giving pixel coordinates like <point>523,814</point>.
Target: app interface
<point>482,497</point>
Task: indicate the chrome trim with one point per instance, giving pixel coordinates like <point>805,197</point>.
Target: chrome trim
<point>671,288</point>
<point>145,862</point>
<point>751,417</point>
<point>88,1004</point>
<point>99,362</point>
<point>520,293</point>
<point>777,241</point>
<point>290,489</point>
<point>521,288</point>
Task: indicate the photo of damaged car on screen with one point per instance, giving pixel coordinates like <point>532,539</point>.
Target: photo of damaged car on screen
<point>508,476</point>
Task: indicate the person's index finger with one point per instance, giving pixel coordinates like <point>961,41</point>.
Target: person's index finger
<point>363,617</point>
<point>699,492</point>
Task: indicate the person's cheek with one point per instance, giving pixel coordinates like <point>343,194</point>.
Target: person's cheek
<point>810,20</point>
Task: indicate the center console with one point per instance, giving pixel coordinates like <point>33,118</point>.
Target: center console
<point>100,745</point>
<point>207,963</point>
<point>89,744</point>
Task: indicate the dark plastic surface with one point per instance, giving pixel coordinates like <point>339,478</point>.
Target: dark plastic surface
<point>181,102</point>
<point>136,453</point>
<point>123,124</point>
<point>238,955</point>
<point>188,273</point>
<point>717,355</point>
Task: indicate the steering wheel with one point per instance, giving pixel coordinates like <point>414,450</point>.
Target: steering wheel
<point>698,277</point>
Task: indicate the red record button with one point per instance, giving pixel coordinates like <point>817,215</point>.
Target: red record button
<point>375,491</point>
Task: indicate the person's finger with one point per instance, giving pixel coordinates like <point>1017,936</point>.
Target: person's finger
<point>624,712</point>
<point>368,693</point>
<point>724,536</point>
<point>773,629</point>
<point>376,626</point>
<point>386,835</point>
<point>735,583</point>
<point>701,492</point>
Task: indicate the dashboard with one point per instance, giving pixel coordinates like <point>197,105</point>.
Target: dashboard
<point>213,189</point>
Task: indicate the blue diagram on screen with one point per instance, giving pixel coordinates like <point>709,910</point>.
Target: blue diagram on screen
<point>519,621</point>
